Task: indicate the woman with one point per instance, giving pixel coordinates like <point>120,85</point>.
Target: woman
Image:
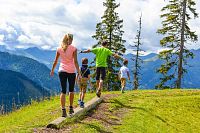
<point>68,65</point>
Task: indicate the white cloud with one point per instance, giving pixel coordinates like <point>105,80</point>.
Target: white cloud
<point>44,22</point>
<point>1,38</point>
<point>23,39</point>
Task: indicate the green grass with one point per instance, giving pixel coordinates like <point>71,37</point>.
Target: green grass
<point>143,111</point>
<point>34,115</point>
<point>163,111</point>
<point>151,112</point>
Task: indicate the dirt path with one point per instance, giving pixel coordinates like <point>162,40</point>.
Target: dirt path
<point>106,117</point>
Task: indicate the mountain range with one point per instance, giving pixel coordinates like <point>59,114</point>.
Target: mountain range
<point>16,89</point>
<point>151,62</point>
<point>34,70</point>
<point>24,74</point>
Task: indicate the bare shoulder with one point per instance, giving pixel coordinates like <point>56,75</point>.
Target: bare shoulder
<point>73,48</point>
<point>58,50</point>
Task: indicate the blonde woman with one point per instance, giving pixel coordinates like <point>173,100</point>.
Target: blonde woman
<point>67,68</point>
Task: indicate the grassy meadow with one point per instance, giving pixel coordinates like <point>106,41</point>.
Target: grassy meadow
<point>142,111</point>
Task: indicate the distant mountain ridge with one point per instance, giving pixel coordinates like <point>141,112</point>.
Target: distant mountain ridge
<point>31,68</point>
<point>16,88</point>
<point>151,62</point>
<point>43,56</point>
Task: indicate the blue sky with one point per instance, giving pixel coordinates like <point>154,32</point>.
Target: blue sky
<point>42,23</point>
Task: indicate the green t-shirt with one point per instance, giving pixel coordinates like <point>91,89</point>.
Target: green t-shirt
<point>101,56</point>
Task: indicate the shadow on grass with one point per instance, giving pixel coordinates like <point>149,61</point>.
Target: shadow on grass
<point>108,122</point>
<point>90,114</point>
<point>122,105</point>
<point>97,128</point>
<point>143,109</point>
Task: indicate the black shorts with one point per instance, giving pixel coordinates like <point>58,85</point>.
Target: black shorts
<point>64,77</point>
<point>100,71</point>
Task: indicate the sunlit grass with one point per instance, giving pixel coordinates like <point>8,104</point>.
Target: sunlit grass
<point>142,111</point>
<point>153,111</point>
<point>34,115</point>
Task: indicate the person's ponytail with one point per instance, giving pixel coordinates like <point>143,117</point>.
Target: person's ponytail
<point>64,43</point>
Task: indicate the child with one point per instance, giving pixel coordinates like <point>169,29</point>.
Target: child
<point>124,74</point>
<point>85,74</point>
<point>102,54</point>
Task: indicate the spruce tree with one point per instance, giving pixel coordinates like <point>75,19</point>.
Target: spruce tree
<point>136,58</point>
<point>177,33</point>
<point>110,29</point>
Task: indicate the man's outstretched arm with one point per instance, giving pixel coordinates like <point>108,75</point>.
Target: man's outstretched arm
<point>85,51</point>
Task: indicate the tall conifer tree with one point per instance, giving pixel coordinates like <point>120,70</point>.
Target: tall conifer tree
<point>110,28</point>
<point>136,48</point>
<point>177,33</point>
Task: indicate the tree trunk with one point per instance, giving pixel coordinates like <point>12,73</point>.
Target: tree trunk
<point>136,74</point>
<point>109,59</point>
<point>136,69</point>
<point>180,66</point>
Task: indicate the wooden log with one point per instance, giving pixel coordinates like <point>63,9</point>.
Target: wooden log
<point>77,113</point>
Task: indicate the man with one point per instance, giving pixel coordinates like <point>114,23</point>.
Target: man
<point>102,54</point>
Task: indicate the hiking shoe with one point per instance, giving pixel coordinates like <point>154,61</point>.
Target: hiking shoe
<point>64,114</point>
<point>98,93</point>
<point>79,101</point>
<point>82,104</point>
<point>71,110</point>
